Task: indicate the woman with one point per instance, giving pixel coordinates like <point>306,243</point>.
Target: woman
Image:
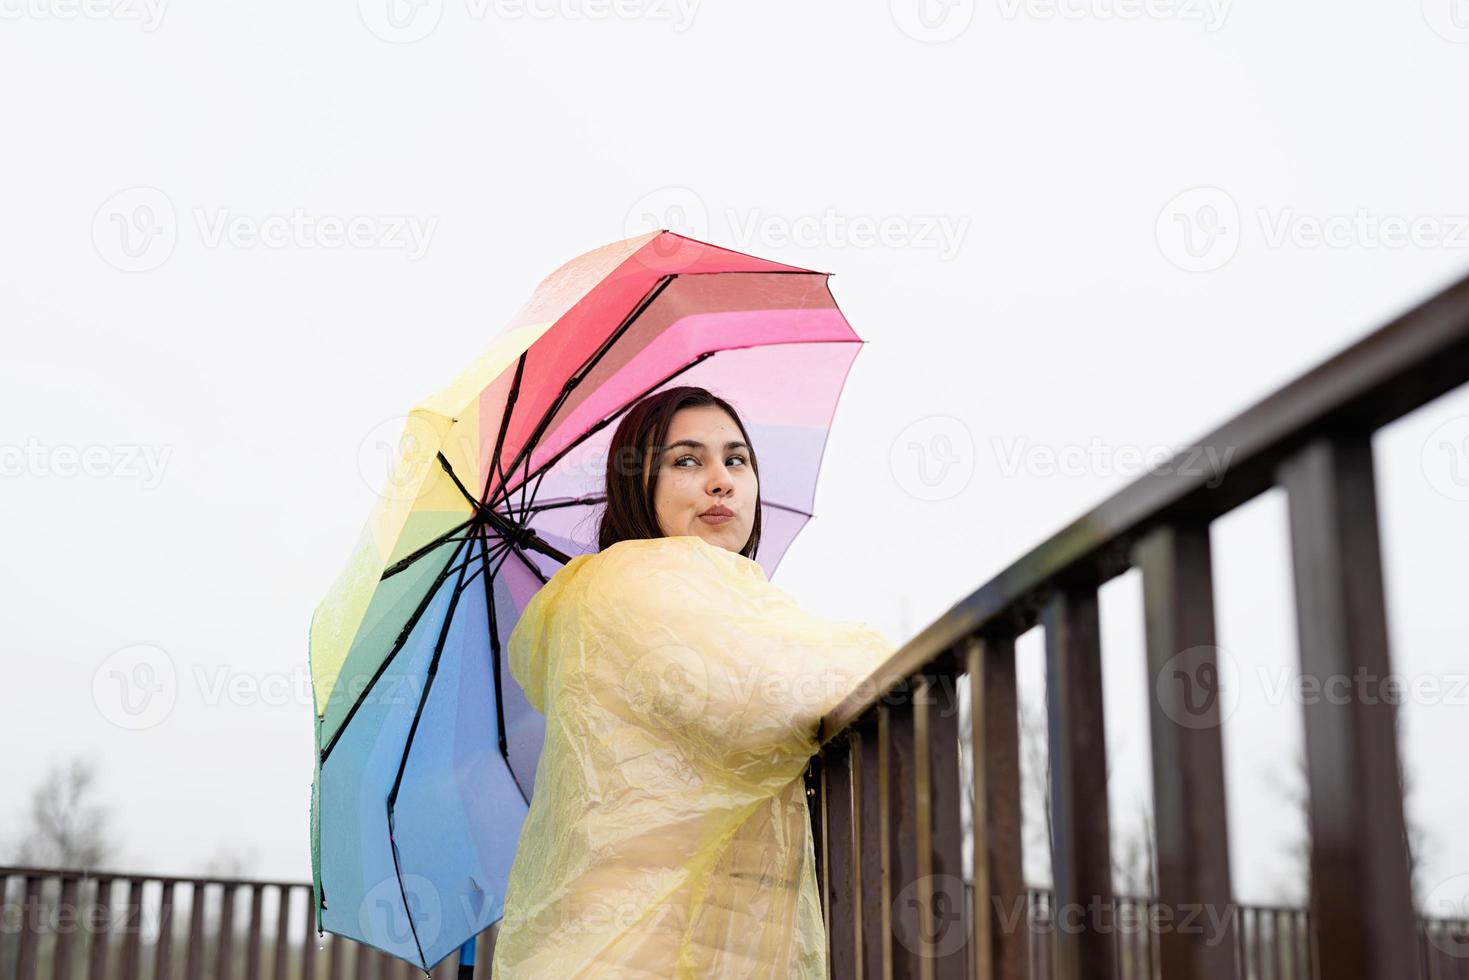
<point>668,835</point>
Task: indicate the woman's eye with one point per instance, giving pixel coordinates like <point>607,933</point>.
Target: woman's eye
<point>678,462</point>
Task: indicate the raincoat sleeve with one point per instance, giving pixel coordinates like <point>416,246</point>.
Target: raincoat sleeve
<point>724,660</point>
<point>668,833</point>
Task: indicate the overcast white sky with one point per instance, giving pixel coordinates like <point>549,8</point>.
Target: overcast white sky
<point>1075,228</point>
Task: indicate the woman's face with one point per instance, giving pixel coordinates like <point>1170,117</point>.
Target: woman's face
<point>705,464</point>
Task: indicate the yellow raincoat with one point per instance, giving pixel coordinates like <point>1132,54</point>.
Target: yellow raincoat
<point>668,834</point>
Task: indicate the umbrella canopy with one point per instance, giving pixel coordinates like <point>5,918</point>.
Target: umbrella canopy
<point>426,746</point>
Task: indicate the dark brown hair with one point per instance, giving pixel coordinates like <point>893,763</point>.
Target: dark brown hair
<point>630,512</point>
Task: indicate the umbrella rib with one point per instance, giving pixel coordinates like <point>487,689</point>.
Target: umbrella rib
<point>498,555</point>
<point>791,510</point>
<point>495,654</point>
<point>501,523</point>
<point>444,462</point>
<point>593,430</point>
<point>598,498</point>
<point>474,558</point>
<point>525,559</point>
<point>442,539</point>
<point>397,646</point>
<point>495,462</point>
<point>595,498</point>
<point>433,668</point>
<point>581,373</point>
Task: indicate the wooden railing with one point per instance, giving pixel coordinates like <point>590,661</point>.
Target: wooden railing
<point>69,925</point>
<point>64,925</point>
<point>886,786</point>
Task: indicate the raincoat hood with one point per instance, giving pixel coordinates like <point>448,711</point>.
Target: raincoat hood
<point>668,834</point>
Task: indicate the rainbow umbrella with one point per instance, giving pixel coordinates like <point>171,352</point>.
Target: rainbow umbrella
<point>426,746</point>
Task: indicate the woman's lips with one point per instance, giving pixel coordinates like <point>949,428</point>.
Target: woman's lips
<point>716,518</point>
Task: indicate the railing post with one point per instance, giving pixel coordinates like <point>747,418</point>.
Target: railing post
<point>66,939</point>
<point>1360,891</point>
<point>224,961</point>
<point>252,940</point>
<point>1085,950</point>
<point>163,951</point>
<point>1188,755</point>
<point>283,931</point>
<point>870,771</point>
<point>97,955</point>
<point>904,880</point>
<point>194,957</point>
<point>30,927</point>
<point>1001,930</point>
<point>842,878</point>
<point>132,928</point>
<point>942,920</point>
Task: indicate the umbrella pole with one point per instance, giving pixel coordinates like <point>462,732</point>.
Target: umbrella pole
<point>466,959</point>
